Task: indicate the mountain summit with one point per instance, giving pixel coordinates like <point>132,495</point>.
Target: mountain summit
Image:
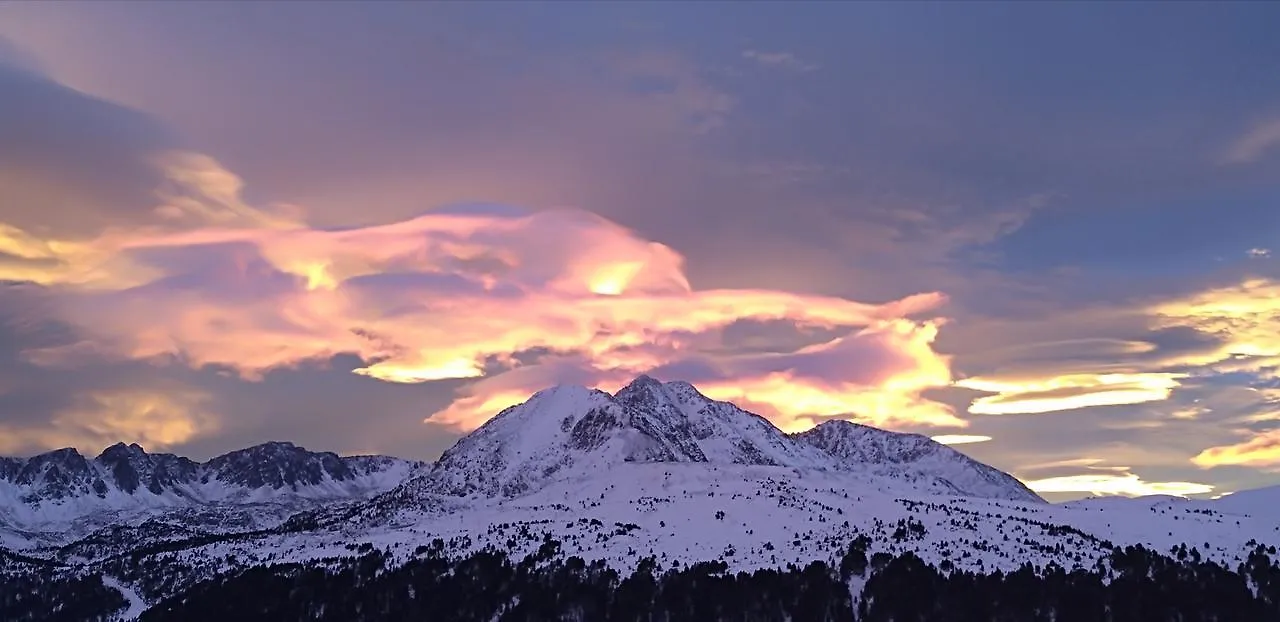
<point>917,459</point>
<point>571,432</point>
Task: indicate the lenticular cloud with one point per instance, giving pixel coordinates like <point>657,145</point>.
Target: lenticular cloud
<point>214,281</point>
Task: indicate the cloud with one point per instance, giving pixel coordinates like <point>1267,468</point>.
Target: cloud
<point>960,439</point>
<point>1245,317</point>
<point>70,163</point>
<point>155,419</point>
<point>1260,450</point>
<point>779,60</point>
<point>218,283</point>
<point>1257,142</point>
<point>1108,480</point>
<point>875,375</point>
<point>1258,253</point>
<point>170,267</point>
<point>1058,393</point>
<point>1127,484</point>
<point>409,294</point>
<point>191,191</point>
<point>1120,354</point>
<point>168,271</point>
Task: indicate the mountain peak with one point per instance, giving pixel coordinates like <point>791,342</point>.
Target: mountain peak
<point>915,458</point>
<point>571,432</point>
<point>63,453</point>
<point>648,393</point>
<point>567,432</point>
<point>120,450</point>
<point>642,381</point>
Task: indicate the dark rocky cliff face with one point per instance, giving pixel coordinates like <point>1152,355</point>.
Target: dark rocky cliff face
<point>277,465</point>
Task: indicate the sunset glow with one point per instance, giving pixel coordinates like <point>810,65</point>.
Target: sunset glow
<point>220,226</point>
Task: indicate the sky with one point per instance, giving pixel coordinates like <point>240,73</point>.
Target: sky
<point>1044,233</point>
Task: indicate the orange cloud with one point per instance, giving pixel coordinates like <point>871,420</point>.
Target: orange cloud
<point>1115,481</point>
<point>873,376</point>
<point>154,419</point>
<point>1262,450</point>
<point>215,281</point>
<point>1055,393</point>
<point>1099,363</point>
<point>1246,317</point>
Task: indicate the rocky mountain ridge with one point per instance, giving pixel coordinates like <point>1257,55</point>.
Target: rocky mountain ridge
<point>569,432</point>
<point>62,490</point>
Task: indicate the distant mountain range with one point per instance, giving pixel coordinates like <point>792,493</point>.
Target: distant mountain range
<point>60,495</point>
<point>655,470</point>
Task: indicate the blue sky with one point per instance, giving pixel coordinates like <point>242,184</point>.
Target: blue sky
<point>224,223</point>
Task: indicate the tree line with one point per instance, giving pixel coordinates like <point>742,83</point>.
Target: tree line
<point>1132,584</point>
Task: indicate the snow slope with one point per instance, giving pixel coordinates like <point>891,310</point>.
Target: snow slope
<point>1260,502</point>
<point>754,516</point>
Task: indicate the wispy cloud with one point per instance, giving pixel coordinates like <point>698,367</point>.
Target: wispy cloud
<point>1115,481</point>
<point>1069,392</point>
<point>960,439</point>
<point>779,60</point>
<point>1260,450</point>
<point>1254,144</point>
<point>1245,316</point>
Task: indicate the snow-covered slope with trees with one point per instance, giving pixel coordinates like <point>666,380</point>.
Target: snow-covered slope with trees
<point>654,471</point>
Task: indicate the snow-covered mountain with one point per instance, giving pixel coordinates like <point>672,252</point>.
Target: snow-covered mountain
<point>654,470</point>
<point>570,432</point>
<point>60,495</point>
<point>917,459</point>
